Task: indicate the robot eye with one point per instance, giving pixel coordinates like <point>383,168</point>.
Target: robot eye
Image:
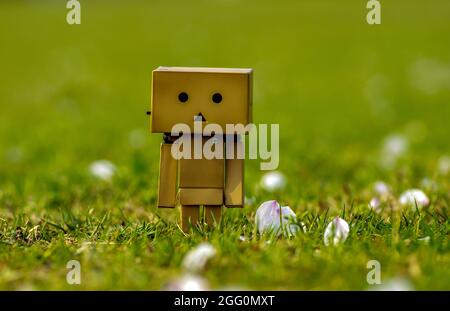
<point>183,97</point>
<point>217,98</point>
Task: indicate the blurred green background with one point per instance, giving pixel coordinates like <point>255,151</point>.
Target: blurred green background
<point>74,94</point>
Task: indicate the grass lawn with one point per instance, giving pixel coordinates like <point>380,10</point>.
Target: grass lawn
<point>356,104</point>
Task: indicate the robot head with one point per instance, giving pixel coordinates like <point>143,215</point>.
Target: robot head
<point>212,95</point>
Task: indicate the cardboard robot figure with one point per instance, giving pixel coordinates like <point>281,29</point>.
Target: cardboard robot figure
<point>189,96</point>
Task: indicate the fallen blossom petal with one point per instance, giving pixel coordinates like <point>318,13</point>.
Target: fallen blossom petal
<point>271,216</point>
<point>267,215</point>
<point>381,188</point>
<point>414,197</point>
<point>289,219</point>
<point>375,204</point>
<point>336,232</point>
<point>395,145</point>
<point>102,169</point>
<point>196,259</point>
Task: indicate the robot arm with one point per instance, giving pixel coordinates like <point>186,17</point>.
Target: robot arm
<point>234,178</point>
<point>167,183</point>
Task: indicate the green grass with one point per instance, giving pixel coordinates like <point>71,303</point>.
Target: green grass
<point>70,95</point>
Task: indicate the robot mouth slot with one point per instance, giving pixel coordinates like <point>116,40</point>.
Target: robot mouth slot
<point>200,117</point>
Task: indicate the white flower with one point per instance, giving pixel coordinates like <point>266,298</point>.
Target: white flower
<point>381,188</point>
<point>271,216</point>
<point>336,232</point>
<point>414,196</point>
<point>188,282</point>
<point>375,204</point>
<point>444,165</point>
<point>273,181</point>
<point>395,144</point>
<point>382,191</point>
<point>102,169</point>
<point>196,259</point>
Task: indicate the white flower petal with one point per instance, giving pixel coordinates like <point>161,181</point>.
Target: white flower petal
<point>395,144</point>
<point>273,181</point>
<point>414,196</point>
<point>267,215</point>
<point>289,221</point>
<point>102,169</point>
<point>268,218</point>
<point>336,232</point>
<point>381,188</point>
<point>196,259</point>
<point>375,204</point>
